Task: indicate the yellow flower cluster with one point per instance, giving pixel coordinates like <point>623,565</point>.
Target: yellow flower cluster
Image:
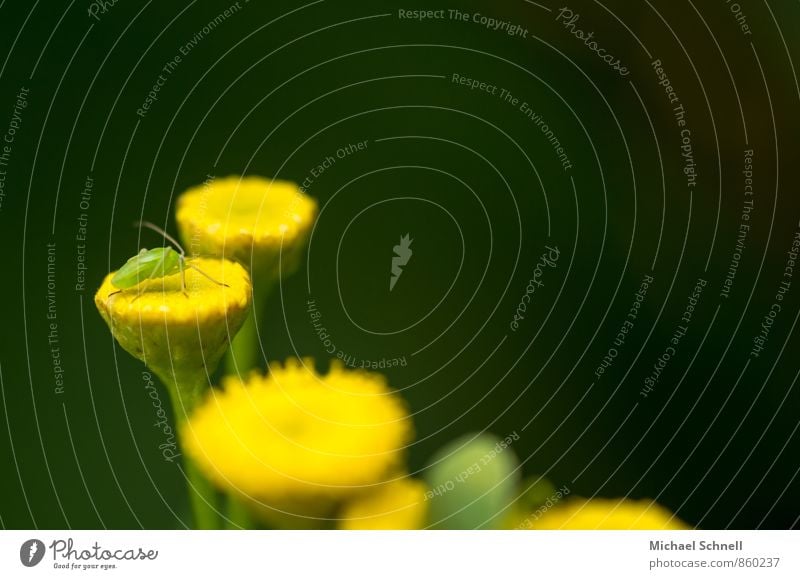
<point>300,443</point>
<point>296,447</point>
<point>252,220</point>
<point>180,336</point>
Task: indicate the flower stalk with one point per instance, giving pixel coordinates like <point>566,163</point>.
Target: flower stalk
<point>180,327</point>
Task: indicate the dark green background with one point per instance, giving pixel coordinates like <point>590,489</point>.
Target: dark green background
<point>89,457</point>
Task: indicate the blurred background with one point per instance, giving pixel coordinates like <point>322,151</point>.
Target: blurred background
<point>275,89</point>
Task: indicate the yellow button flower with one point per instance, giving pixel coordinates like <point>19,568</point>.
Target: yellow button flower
<point>607,514</point>
<point>298,442</point>
<point>261,223</point>
<point>247,219</point>
<point>181,337</point>
<point>396,505</point>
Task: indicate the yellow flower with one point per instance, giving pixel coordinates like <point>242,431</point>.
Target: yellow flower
<point>181,337</point>
<point>298,442</point>
<point>607,514</point>
<point>247,219</point>
<point>396,505</point>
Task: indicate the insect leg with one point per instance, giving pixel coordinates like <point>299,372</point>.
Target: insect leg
<point>181,266</point>
<point>119,291</point>
<point>206,275</point>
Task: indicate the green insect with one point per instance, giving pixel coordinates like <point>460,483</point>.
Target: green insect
<point>154,263</point>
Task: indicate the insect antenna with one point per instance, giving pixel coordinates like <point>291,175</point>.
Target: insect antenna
<point>166,235</point>
<point>194,267</point>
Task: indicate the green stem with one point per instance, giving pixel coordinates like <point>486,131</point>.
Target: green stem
<point>244,354</point>
<point>238,515</point>
<point>202,497</point>
<point>186,392</point>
